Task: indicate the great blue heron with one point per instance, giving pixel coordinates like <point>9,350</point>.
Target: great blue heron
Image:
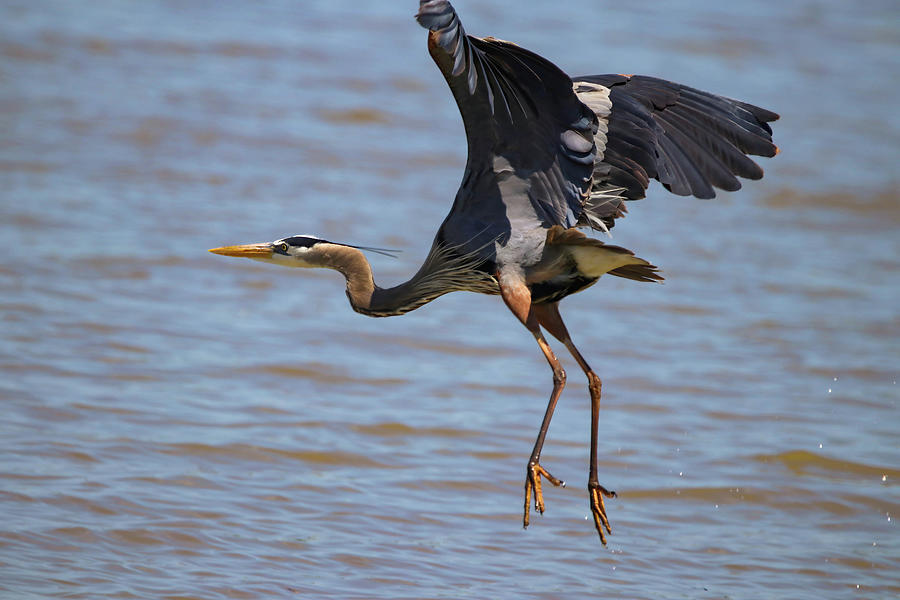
<point>547,154</point>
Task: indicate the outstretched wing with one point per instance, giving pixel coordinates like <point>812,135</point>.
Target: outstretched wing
<point>689,140</point>
<point>530,140</point>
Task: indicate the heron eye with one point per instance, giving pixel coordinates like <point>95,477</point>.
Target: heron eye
<point>284,248</point>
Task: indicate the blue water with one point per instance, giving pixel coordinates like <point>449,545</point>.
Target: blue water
<point>181,425</point>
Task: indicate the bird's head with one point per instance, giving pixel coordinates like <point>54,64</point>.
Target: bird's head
<point>306,251</point>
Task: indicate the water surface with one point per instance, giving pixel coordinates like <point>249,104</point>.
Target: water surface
<point>180,425</point>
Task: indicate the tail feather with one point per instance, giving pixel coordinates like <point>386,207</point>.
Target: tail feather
<point>636,268</point>
<point>645,272</point>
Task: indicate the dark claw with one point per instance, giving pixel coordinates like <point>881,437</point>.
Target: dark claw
<point>598,509</point>
<point>533,486</point>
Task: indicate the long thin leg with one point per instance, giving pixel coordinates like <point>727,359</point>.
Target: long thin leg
<point>548,316</point>
<point>534,470</point>
<point>518,299</point>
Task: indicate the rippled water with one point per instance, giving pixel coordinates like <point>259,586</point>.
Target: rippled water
<point>179,425</point>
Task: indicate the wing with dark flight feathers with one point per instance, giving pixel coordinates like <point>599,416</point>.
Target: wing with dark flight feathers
<point>530,140</point>
<point>689,140</point>
<point>542,153</point>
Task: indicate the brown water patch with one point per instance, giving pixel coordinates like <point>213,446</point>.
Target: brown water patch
<point>862,564</point>
<point>873,504</point>
<point>229,452</point>
<point>803,462</point>
<point>244,49</point>
<point>206,137</point>
<point>42,368</point>
<point>321,373</point>
<point>732,46</point>
<point>92,326</point>
<point>267,410</point>
<point>357,84</point>
<point>26,166</point>
<point>513,390</point>
<point>812,292</point>
<point>407,84</point>
<point>433,159</point>
<point>201,515</point>
<point>682,309</point>
<point>354,116</point>
<point>60,538</point>
<point>110,409</point>
<point>69,501</point>
<point>30,309</point>
<point>463,485</point>
<point>50,413</point>
<point>150,131</point>
<point>647,385</point>
<point>883,204</point>
<point>98,46</point>
<point>864,373</point>
<point>705,494</point>
<point>641,407</point>
<point>765,417</point>
<point>140,537</point>
<point>277,423</point>
<point>789,500</point>
<point>257,284</point>
<point>181,482</point>
<point>275,498</point>
<point>167,175</point>
<point>119,347</point>
<point>493,455</point>
<point>110,263</point>
<point>114,267</point>
<point>20,52</point>
<point>135,377</point>
<point>403,430</point>
<point>78,457</point>
<point>28,477</point>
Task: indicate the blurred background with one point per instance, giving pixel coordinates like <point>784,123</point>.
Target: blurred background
<point>178,424</point>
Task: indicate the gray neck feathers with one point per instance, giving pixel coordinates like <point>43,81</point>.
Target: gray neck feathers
<point>443,271</point>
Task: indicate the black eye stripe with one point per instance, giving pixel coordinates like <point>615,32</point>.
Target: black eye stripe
<point>302,241</point>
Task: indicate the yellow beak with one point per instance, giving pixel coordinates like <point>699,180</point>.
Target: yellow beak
<point>245,251</point>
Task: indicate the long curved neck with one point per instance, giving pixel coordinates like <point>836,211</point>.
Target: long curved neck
<point>441,273</point>
<point>369,299</point>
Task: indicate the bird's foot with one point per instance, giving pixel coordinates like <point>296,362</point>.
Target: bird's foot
<point>533,475</point>
<point>598,509</point>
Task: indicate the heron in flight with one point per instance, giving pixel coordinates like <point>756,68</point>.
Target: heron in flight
<point>548,155</point>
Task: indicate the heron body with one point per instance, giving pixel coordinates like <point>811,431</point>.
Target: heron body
<point>548,156</point>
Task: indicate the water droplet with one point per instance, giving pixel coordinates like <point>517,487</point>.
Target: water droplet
<point>820,445</point>
<point>835,378</point>
<point>884,477</point>
<point>829,390</point>
<point>717,506</point>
